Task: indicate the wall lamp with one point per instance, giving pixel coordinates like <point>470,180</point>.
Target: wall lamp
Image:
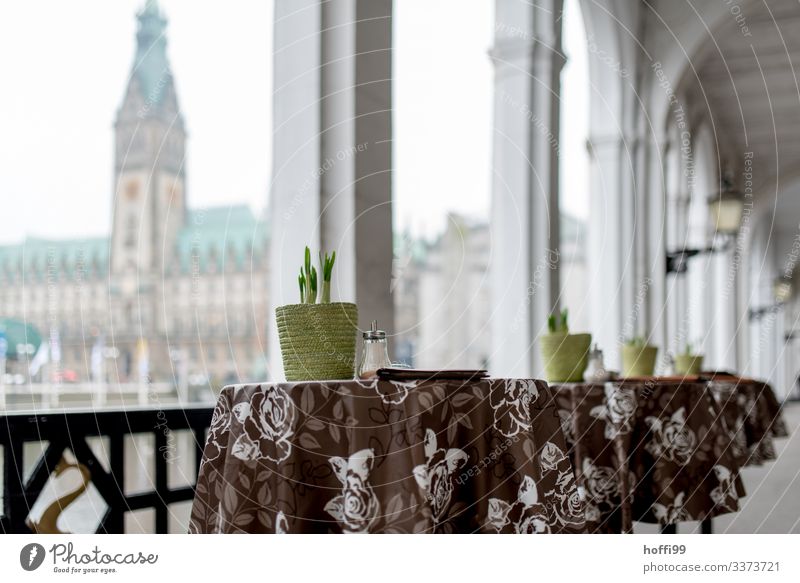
<point>781,291</point>
<point>726,209</point>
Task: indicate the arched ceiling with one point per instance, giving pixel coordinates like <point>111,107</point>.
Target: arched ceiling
<point>748,87</point>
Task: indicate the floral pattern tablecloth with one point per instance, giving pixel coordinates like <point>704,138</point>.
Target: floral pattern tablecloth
<point>649,451</point>
<point>752,417</point>
<point>386,457</point>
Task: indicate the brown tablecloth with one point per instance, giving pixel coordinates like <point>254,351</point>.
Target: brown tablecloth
<point>649,451</point>
<point>752,417</point>
<point>388,457</point>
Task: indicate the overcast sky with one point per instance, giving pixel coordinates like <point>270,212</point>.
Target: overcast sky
<point>65,66</point>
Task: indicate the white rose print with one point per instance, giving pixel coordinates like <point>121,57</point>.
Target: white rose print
<point>281,524</point>
<point>602,485</point>
<point>671,439</point>
<point>672,513</point>
<point>436,476</point>
<point>357,507</point>
<point>526,514</point>
<point>268,423</point>
<point>618,410</point>
<point>551,456</point>
<point>724,494</point>
<point>512,406</point>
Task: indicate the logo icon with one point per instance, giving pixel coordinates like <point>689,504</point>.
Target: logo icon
<point>31,556</point>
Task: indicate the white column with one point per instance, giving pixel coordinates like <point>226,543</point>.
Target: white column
<point>653,280</point>
<point>612,248</point>
<point>356,192</point>
<point>725,313</point>
<point>331,185</point>
<point>525,214</point>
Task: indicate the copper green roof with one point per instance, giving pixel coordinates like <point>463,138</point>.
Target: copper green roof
<point>18,332</point>
<point>213,236</point>
<point>151,66</point>
<point>38,257</point>
<point>217,235</point>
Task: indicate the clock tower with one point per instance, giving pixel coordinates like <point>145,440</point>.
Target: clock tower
<point>149,193</point>
<point>150,148</point>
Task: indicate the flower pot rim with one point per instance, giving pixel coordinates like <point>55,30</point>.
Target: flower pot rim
<point>316,305</point>
<point>567,334</point>
<point>645,347</point>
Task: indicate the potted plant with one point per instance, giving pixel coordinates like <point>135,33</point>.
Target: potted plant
<point>565,355</point>
<point>638,358</point>
<point>318,340</point>
<point>688,363</point>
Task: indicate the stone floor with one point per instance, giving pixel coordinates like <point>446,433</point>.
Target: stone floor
<point>772,504</point>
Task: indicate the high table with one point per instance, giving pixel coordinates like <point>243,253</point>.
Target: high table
<point>387,457</point>
<point>662,450</point>
<point>751,415</point>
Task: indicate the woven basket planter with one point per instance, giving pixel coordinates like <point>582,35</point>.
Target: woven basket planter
<point>318,341</point>
<point>688,364</point>
<point>565,356</point>
<point>638,361</point>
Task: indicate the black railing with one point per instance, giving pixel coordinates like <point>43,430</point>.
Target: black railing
<point>69,430</point>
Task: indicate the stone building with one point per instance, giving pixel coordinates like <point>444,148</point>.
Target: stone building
<point>441,292</point>
<point>173,291</point>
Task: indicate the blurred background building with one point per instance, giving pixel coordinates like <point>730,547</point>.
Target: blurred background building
<point>441,292</point>
<point>174,294</point>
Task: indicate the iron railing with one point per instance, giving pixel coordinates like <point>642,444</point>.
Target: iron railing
<point>69,430</point>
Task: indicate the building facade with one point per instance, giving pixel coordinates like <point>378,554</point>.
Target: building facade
<point>173,292</point>
<point>441,290</point>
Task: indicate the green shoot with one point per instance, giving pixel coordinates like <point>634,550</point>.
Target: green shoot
<point>326,266</point>
<point>558,323</point>
<point>312,294</point>
<point>301,279</point>
<point>308,280</point>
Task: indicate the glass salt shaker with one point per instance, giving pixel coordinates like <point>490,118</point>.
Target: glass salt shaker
<point>375,353</point>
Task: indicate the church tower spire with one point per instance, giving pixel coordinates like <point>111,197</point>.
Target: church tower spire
<point>151,67</point>
<point>150,153</point>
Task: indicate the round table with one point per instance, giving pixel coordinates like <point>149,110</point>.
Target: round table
<point>387,457</point>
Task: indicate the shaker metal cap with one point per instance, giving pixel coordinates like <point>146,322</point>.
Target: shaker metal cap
<point>373,333</point>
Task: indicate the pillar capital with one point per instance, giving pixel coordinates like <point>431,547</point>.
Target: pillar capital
<point>526,53</point>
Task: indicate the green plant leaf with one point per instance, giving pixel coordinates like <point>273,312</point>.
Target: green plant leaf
<point>551,323</point>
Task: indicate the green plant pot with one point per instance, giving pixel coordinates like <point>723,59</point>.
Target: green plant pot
<point>318,341</point>
<point>638,361</point>
<point>688,364</point>
<point>565,356</point>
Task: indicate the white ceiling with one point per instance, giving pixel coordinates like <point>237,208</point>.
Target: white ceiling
<point>749,87</point>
